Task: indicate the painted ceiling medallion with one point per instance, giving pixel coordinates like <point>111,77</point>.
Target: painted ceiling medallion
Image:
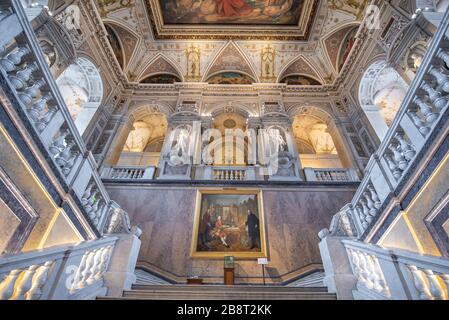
<point>232,19</point>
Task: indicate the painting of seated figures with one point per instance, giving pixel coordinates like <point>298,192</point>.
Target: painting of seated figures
<point>229,224</point>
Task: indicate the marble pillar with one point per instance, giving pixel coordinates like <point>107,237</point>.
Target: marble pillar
<point>123,128</point>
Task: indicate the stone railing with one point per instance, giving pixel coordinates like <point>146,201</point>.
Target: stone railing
<point>128,173</point>
<point>229,174</point>
<point>330,175</point>
<point>419,119</point>
<point>396,274</point>
<point>34,94</point>
<point>63,273</point>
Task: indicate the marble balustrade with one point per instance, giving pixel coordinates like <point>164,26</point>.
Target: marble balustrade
<point>128,173</point>
<point>23,66</point>
<point>68,272</point>
<point>379,272</point>
<point>330,175</point>
<point>419,115</point>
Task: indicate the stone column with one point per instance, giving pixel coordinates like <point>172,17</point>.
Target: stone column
<point>343,149</point>
<point>121,133</point>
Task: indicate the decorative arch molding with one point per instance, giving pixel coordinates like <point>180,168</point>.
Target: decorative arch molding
<point>396,49</point>
<point>82,88</point>
<point>66,45</point>
<point>231,58</point>
<point>160,64</point>
<point>128,38</point>
<point>225,107</point>
<point>140,109</point>
<point>332,42</point>
<point>302,66</point>
<point>91,72</point>
<point>313,111</point>
<point>381,91</point>
<point>377,58</point>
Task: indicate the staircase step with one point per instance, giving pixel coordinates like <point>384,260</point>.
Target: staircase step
<point>222,288</point>
<point>209,292</point>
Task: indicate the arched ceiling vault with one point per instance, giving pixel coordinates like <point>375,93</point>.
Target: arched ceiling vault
<point>241,39</point>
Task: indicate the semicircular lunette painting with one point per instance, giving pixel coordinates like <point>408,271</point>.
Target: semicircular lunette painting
<point>230,78</point>
<point>299,80</point>
<point>116,45</point>
<point>260,12</point>
<point>161,79</point>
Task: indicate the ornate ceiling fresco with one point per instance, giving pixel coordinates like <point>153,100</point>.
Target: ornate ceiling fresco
<point>297,42</point>
<point>232,19</point>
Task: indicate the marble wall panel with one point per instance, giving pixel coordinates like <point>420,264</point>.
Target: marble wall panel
<point>293,218</point>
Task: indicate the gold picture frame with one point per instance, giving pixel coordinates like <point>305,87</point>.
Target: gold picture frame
<point>217,234</point>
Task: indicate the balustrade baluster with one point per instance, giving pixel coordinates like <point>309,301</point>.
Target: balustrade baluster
<point>445,278</point>
<point>105,255</point>
<point>39,280</point>
<point>426,110</point>
<point>374,276</point>
<point>443,55</point>
<point>442,78</point>
<point>422,127</point>
<point>7,285</point>
<point>435,288</point>
<point>406,148</point>
<point>374,196</point>
<point>434,95</point>
<point>362,216</point>
<point>20,79</point>
<point>93,270</point>
<point>364,270</point>
<point>12,60</point>
<point>420,283</point>
<point>24,284</point>
<point>85,274</point>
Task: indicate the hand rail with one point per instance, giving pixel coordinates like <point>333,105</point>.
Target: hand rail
<point>419,119</point>
<point>25,71</point>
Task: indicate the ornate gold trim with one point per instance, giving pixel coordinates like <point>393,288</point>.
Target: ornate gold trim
<point>164,31</point>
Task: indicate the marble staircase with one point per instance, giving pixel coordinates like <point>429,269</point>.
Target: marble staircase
<point>315,280</point>
<point>146,278</point>
<point>219,292</point>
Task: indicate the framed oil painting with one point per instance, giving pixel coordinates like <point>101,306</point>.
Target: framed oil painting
<point>229,223</point>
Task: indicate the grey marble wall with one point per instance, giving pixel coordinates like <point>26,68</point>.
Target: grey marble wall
<point>293,218</point>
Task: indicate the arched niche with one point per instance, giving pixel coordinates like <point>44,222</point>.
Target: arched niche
<point>315,143</point>
<point>381,92</point>
<point>238,154</point>
<point>341,155</point>
<point>143,145</point>
<point>81,87</point>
